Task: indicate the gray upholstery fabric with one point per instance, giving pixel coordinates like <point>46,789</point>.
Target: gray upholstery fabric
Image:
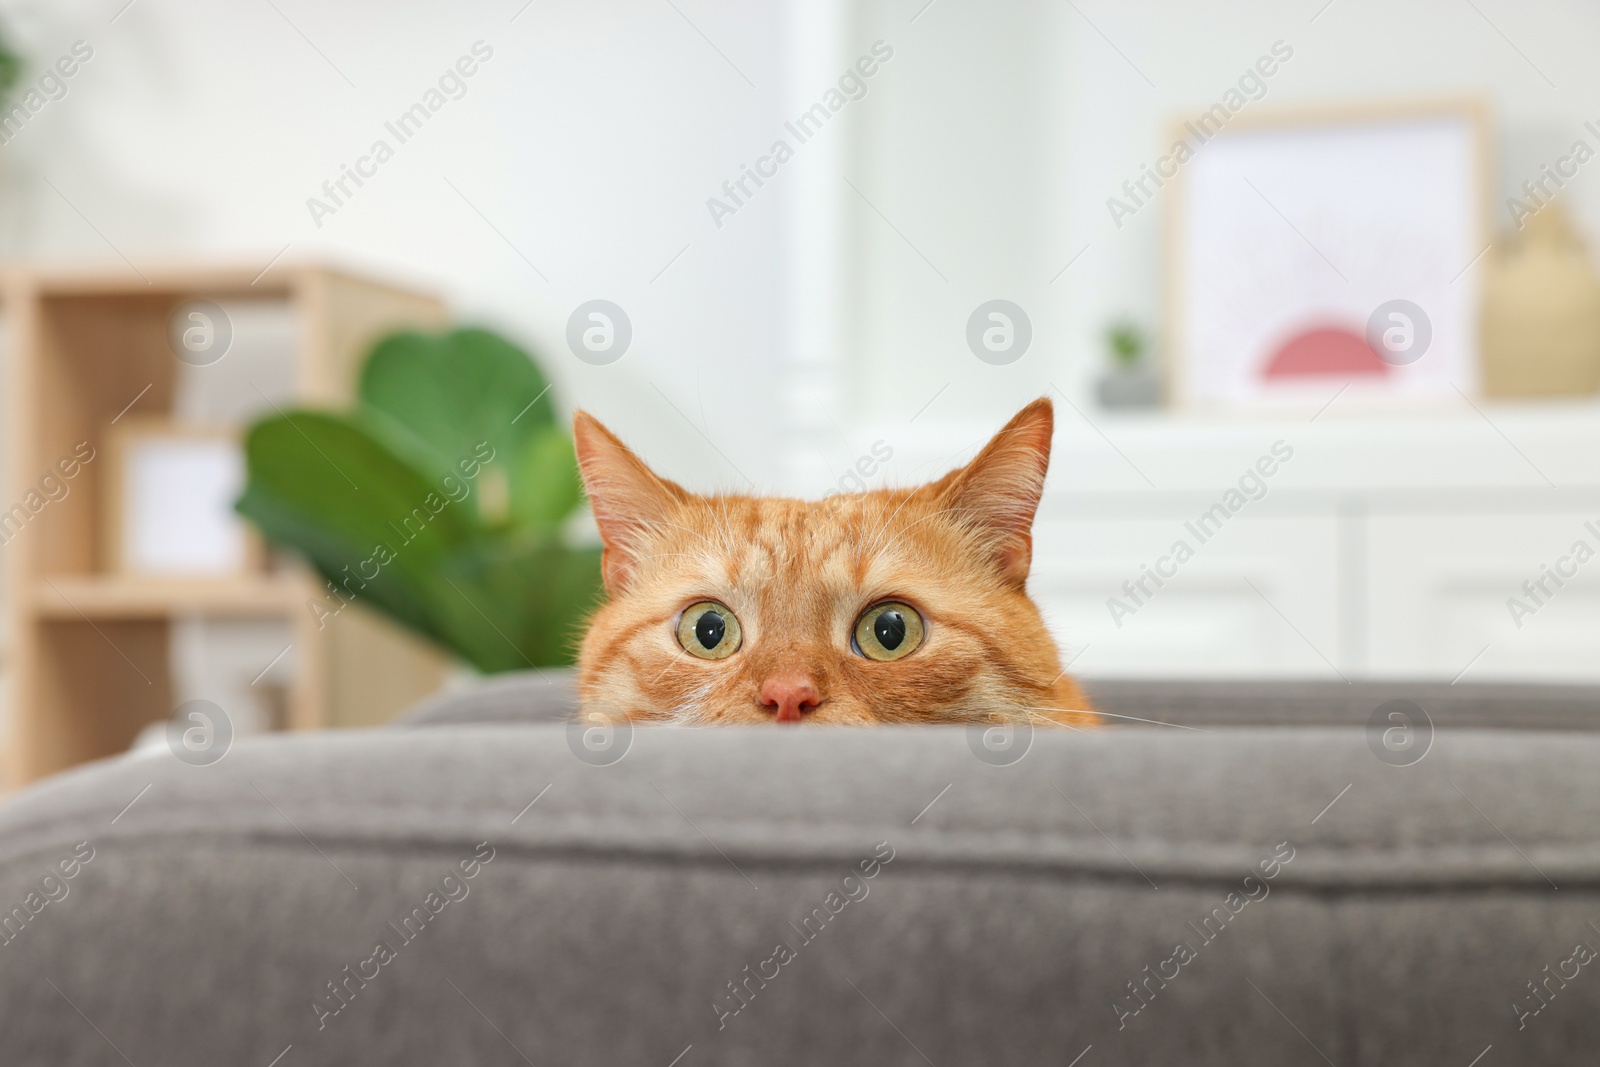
<point>1516,706</point>
<point>516,697</point>
<point>551,696</point>
<point>1020,903</point>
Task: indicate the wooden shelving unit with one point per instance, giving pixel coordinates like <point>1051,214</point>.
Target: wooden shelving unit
<point>88,651</point>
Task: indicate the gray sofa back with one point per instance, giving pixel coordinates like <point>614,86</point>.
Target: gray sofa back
<point>549,894</point>
<point>551,696</point>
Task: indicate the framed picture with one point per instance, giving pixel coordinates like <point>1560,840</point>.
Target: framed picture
<point>169,508</point>
<point>1313,252</point>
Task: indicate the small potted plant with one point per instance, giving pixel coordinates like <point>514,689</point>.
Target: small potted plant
<point>1131,382</point>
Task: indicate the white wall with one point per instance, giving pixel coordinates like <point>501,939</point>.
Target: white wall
<point>590,140</point>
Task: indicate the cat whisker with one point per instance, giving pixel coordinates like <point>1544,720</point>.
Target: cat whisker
<point>669,555</point>
<point>724,524</point>
<point>1110,715</point>
<point>1005,716</point>
<point>671,663</point>
<point>1032,715</point>
<point>717,508</point>
<point>636,557</point>
<point>693,710</point>
<point>1153,722</point>
<point>676,526</point>
<point>883,528</point>
<point>919,522</point>
<point>633,563</point>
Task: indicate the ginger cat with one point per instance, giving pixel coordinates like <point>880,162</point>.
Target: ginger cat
<point>889,606</point>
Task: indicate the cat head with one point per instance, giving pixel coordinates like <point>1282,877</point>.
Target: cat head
<point>894,605</point>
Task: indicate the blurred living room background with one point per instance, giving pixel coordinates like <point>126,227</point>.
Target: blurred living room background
<point>974,205</point>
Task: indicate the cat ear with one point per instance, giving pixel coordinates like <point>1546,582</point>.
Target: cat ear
<point>998,492</point>
<point>628,498</point>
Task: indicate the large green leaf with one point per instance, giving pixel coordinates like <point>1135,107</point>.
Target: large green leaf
<point>323,485</point>
<point>438,399</point>
<point>512,606</point>
<point>545,487</point>
<point>440,500</point>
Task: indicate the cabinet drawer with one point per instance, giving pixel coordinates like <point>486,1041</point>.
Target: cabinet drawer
<point>1206,619</point>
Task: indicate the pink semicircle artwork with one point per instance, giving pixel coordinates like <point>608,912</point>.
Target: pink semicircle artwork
<point>1322,352</point>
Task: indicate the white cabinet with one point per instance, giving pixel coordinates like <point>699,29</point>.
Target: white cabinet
<point>1257,597</point>
<point>1345,588</point>
<point>1389,545</point>
<point>1513,596</point>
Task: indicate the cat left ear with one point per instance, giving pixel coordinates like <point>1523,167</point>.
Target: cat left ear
<point>998,492</point>
<point>628,498</point>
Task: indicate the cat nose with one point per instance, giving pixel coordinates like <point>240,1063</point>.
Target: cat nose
<point>789,696</point>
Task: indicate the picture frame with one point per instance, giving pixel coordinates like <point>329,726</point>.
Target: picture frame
<point>168,505</point>
<point>1316,251</point>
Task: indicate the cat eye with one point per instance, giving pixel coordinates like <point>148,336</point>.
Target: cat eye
<point>709,630</point>
<point>888,631</point>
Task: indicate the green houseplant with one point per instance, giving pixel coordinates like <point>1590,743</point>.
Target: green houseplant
<point>440,500</point>
<point>1132,381</point>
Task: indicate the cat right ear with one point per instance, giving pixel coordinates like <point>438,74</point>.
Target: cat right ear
<point>998,492</point>
<point>628,497</point>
